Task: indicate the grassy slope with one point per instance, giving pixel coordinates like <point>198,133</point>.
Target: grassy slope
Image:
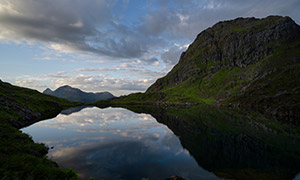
<point>270,84</point>
<point>278,86</point>
<point>21,158</point>
<point>230,82</point>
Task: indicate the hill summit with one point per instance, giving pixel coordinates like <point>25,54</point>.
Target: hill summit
<point>74,94</point>
<point>245,62</point>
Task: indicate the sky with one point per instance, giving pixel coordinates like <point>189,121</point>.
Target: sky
<point>120,46</point>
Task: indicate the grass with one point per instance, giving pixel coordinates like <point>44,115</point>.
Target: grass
<point>21,158</point>
<point>266,84</point>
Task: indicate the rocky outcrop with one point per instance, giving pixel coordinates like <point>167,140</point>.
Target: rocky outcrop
<point>236,43</point>
<point>246,62</point>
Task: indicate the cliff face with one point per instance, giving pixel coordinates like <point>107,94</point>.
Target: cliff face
<point>237,43</point>
<point>244,62</point>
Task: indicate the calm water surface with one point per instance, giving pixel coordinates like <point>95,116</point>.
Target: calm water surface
<point>115,143</point>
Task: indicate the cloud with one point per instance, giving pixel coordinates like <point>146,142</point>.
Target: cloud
<point>172,55</point>
<point>77,26</point>
<point>181,21</point>
<point>158,22</point>
<point>31,83</point>
<point>89,83</point>
<point>144,43</point>
<point>70,26</point>
<point>97,83</point>
<point>126,68</point>
<point>178,19</point>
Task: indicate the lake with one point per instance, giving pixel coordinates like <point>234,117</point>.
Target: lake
<point>198,142</point>
<point>115,143</point>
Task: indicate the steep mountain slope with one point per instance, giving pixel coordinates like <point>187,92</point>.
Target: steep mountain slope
<point>245,62</point>
<point>74,94</point>
<point>21,158</point>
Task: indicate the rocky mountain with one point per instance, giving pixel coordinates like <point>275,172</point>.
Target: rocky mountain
<point>245,62</point>
<point>74,94</point>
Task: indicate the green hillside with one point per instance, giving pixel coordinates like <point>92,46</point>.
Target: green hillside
<point>21,158</point>
<point>245,62</point>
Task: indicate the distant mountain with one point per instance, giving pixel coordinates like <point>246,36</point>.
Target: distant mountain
<point>22,106</point>
<point>19,154</point>
<point>74,94</point>
<point>245,62</point>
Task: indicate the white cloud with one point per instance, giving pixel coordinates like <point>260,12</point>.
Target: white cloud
<point>172,55</point>
<point>78,24</point>
<point>91,33</point>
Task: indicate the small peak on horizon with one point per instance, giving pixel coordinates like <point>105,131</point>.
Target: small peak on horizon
<point>66,87</point>
<point>47,90</point>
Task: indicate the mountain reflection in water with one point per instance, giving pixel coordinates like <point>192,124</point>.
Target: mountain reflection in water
<point>115,143</point>
<point>234,144</point>
<point>198,142</point>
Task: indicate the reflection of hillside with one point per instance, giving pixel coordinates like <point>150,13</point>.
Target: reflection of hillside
<point>234,145</point>
<point>73,110</point>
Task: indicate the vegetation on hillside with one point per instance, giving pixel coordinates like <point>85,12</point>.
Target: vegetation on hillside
<point>246,62</point>
<point>21,158</point>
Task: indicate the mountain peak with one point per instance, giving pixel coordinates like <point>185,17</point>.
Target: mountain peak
<point>245,61</point>
<point>75,94</point>
<point>66,87</point>
<point>236,43</point>
<point>47,91</point>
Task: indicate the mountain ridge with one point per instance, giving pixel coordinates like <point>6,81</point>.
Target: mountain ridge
<point>75,94</point>
<point>246,62</point>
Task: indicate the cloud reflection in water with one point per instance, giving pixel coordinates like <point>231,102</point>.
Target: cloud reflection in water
<point>115,143</point>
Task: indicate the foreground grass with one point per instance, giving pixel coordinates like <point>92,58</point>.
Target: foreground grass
<point>21,158</point>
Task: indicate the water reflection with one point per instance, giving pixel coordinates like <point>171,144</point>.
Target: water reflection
<point>115,143</point>
<point>234,144</point>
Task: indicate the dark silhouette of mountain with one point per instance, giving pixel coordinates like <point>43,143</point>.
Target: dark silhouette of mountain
<point>74,94</point>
